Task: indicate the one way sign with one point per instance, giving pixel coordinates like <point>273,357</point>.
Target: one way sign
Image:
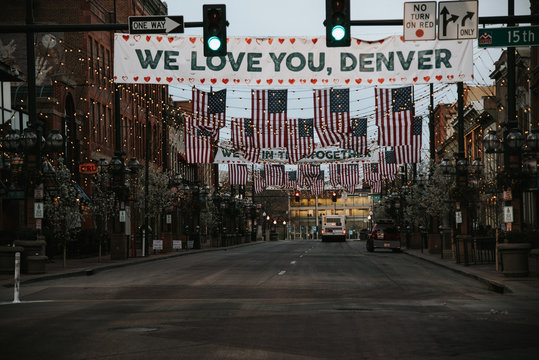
<point>457,20</point>
<point>155,24</point>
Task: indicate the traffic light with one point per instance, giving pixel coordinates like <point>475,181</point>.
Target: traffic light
<point>214,25</point>
<point>337,23</point>
<point>334,196</point>
<point>297,195</point>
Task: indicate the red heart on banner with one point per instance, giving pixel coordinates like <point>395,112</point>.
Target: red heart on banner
<point>381,41</point>
<point>270,40</point>
<point>402,38</point>
<point>280,81</point>
<point>169,79</point>
<point>126,37</point>
<point>170,39</point>
<point>247,81</point>
<point>415,79</point>
<point>336,81</point>
<point>158,79</point>
<point>135,78</point>
<point>358,81</point>
<point>281,41</point>
<point>472,76</point>
<point>438,77</point>
<point>462,76</point>
<point>358,41</point>
<point>403,79</point>
<point>248,40</point>
<point>313,81</point>
<point>392,80</point>
<point>191,80</point>
<point>136,37</point>
<point>325,81</point>
<point>180,79</point>
<point>293,40</point>
<point>426,78</point>
<point>291,81</point>
<point>381,81</point>
<point>369,81</point>
<point>202,81</point>
<point>148,37</point>
<point>450,77</point>
<point>347,81</point>
<point>314,41</point>
<point>213,81</point>
<point>269,81</point>
<point>225,81</point>
<point>192,39</point>
<point>236,81</point>
<point>147,78</point>
<point>124,78</point>
<point>115,77</point>
<point>303,81</point>
<point>258,81</point>
<point>159,38</point>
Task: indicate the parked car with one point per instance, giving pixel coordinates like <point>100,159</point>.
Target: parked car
<point>385,235</point>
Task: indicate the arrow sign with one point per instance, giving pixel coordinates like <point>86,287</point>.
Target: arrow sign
<point>446,21</point>
<point>457,20</point>
<point>155,24</point>
<point>469,15</point>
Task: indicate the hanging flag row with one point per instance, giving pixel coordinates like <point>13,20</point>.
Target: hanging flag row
<point>269,126</point>
<point>311,176</point>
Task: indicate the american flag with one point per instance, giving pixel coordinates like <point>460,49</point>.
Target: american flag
<point>209,109</point>
<point>274,174</point>
<point>237,174</point>
<point>350,175</point>
<point>331,115</point>
<point>350,188</point>
<point>243,139</point>
<point>335,174</point>
<point>371,171</point>
<point>307,174</point>
<point>357,138</point>
<point>376,186</point>
<point>394,114</point>
<point>317,186</point>
<point>388,166</point>
<point>405,154</point>
<point>300,139</point>
<point>268,109</point>
<point>198,143</point>
<point>259,184</point>
<point>290,180</point>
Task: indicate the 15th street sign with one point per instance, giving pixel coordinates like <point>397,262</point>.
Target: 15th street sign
<point>155,24</point>
<point>509,36</point>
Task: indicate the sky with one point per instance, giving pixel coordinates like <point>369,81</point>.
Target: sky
<point>304,18</point>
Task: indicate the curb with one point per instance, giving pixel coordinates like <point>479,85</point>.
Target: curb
<point>91,270</point>
<point>492,285</point>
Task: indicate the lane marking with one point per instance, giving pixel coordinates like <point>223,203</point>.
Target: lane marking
<point>293,262</point>
<point>282,272</point>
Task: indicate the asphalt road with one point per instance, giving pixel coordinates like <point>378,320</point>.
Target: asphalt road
<point>278,300</point>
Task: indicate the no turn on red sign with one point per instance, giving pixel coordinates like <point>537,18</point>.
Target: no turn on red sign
<point>419,21</point>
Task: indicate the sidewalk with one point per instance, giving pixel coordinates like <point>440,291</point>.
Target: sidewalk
<point>90,266</point>
<point>485,273</point>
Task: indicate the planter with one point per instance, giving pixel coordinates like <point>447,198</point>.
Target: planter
<point>514,258</point>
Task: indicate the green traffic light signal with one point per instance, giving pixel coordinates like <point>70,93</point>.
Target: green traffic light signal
<point>337,23</point>
<point>214,26</point>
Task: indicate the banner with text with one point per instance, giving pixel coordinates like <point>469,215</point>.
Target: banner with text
<point>227,155</point>
<point>161,59</point>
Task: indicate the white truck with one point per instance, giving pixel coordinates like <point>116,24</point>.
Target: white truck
<point>333,228</point>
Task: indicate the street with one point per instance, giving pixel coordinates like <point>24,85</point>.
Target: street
<point>273,300</point>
